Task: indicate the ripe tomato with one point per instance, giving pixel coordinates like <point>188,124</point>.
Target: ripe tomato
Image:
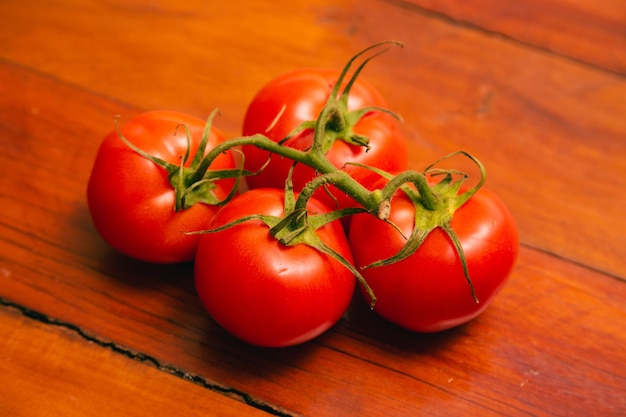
<point>263,292</point>
<point>428,292</point>
<point>131,200</point>
<point>299,96</point>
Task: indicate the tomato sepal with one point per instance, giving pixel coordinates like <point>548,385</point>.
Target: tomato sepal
<point>335,121</point>
<point>435,206</point>
<point>195,183</point>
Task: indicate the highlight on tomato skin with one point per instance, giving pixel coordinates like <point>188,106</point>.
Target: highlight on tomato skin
<point>428,292</point>
<point>130,198</point>
<point>262,292</point>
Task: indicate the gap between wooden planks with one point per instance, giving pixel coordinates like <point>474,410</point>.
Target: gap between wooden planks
<point>49,368</point>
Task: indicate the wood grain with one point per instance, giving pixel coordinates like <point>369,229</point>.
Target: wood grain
<point>592,33</point>
<point>541,110</point>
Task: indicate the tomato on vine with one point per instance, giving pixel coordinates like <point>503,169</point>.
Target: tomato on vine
<point>269,293</point>
<point>428,291</point>
<point>358,129</point>
<point>143,191</point>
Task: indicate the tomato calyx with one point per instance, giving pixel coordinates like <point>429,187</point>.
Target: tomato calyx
<point>336,122</point>
<point>298,227</point>
<point>193,183</point>
<point>435,206</point>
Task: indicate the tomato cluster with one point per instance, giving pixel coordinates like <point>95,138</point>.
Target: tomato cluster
<point>274,265</point>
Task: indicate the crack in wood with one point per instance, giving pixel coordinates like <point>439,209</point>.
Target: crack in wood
<point>142,357</point>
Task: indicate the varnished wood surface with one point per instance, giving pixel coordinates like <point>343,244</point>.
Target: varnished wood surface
<point>51,379</point>
<point>535,89</point>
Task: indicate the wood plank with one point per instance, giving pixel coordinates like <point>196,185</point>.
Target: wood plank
<point>51,370</point>
<point>593,33</point>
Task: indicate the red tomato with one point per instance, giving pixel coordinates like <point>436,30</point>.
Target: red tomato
<point>263,292</point>
<point>131,200</point>
<point>299,96</point>
<point>428,292</point>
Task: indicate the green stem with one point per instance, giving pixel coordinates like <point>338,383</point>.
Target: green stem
<point>427,196</point>
<point>260,141</point>
<point>344,182</point>
<point>320,131</point>
<point>313,158</point>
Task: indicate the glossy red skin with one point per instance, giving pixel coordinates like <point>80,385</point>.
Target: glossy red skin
<point>131,201</point>
<point>268,294</point>
<point>304,93</point>
<point>428,292</point>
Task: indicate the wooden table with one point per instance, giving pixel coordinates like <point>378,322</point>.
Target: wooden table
<point>535,89</point>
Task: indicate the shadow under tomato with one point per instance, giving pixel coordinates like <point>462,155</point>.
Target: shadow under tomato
<point>144,274</point>
<point>87,244</point>
<point>365,324</point>
<point>247,365</point>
